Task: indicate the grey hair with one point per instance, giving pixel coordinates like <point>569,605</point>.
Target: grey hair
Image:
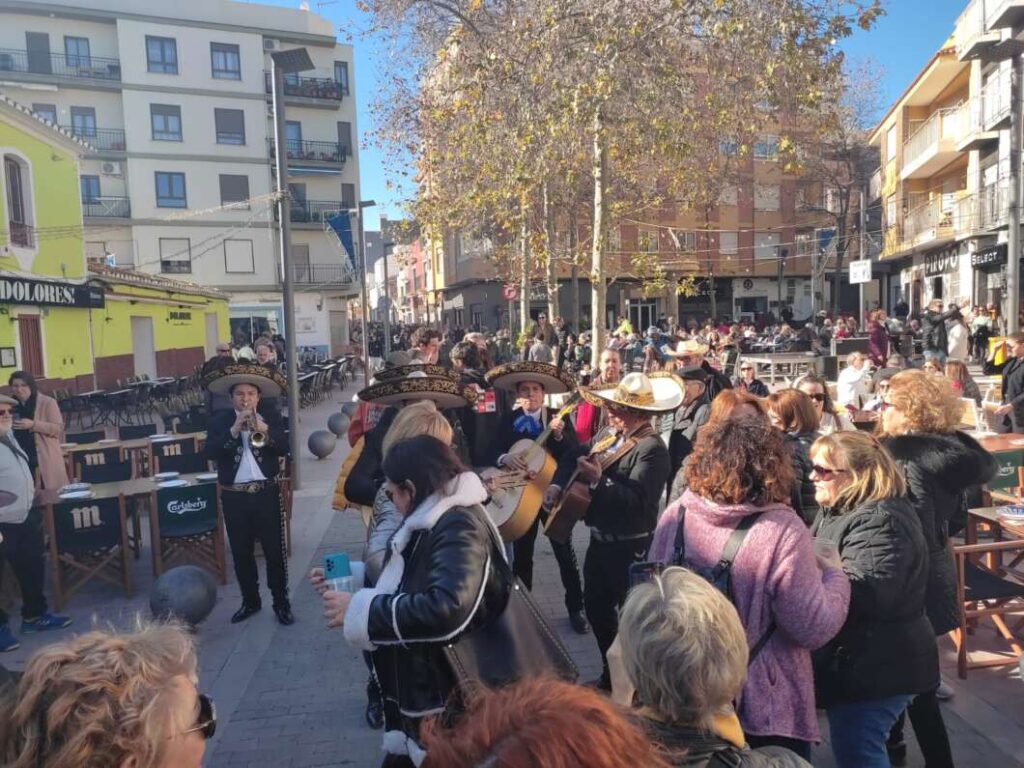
<point>683,647</point>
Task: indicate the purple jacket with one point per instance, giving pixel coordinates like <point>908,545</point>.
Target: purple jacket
<point>775,575</point>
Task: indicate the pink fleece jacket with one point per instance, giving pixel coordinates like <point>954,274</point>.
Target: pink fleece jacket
<point>775,575</point>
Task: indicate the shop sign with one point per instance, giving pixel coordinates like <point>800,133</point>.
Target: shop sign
<point>996,254</point>
<point>18,290</point>
<point>860,271</point>
<point>941,262</point>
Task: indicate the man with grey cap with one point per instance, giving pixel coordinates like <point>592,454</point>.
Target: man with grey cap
<point>690,416</point>
<point>21,535</point>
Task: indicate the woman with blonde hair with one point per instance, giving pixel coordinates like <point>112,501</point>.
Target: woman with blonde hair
<point>885,652</point>
<point>919,421</point>
<point>109,699</point>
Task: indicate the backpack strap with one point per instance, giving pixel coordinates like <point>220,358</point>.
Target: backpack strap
<point>732,546</point>
<point>679,548</point>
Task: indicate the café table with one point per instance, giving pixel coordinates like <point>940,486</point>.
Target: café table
<point>136,447</point>
<point>1008,450</point>
<point>132,489</point>
<point>798,362</point>
<point>1002,530</point>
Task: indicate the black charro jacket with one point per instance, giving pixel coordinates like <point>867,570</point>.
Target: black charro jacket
<point>226,450</point>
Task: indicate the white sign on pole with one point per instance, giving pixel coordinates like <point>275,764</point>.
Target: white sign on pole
<point>860,271</point>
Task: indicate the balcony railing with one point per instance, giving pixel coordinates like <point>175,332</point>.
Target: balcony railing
<point>971,31</point>
<point>59,65</point>
<point>992,202</point>
<point>941,125</point>
<point>107,207</point>
<point>322,151</point>
<point>930,221</point>
<point>325,88</point>
<point>105,139</point>
<point>1003,13</point>
<point>22,235</point>
<point>314,211</point>
<point>321,274</point>
<point>996,100</point>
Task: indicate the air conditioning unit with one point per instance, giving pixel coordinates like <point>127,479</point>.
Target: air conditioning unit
<point>112,169</point>
<point>270,44</point>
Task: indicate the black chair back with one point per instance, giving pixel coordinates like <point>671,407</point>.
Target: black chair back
<point>163,448</point>
<point>105,473</point>
<point>97,458</point>
<point>137,431</point>
<point>86,526</point>
<point>81,438</point>
<point>187,511</point>
<point>185,464</point>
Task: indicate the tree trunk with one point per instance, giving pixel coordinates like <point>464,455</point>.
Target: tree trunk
<point>598,289</point>
<point>573,246</point>
<point>549,244</point>
<point>524,268</point>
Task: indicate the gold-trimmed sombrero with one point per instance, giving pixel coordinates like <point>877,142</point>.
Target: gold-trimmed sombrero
<point>688,347</point>
<point>445,392</point>
<point>509,375</point>
<point>269,382</point>
<point>391,374</point>
<point>657,393</point>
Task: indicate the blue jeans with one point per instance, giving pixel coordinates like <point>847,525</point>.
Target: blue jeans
<point>859,731</point>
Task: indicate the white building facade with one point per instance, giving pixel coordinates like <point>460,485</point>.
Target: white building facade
<point>174,98</point>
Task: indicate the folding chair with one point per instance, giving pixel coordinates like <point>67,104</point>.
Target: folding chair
<point>134,432</point>
<point>106,473</point>
<point>98,458</point>
<point>88,540</point>
<point>164,448</point>
<point>185,464</point>
<point>984,593</point>
<point>83,438</point>
<point>186,526</point>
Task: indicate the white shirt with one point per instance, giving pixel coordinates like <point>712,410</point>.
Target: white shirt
<point>248,469</point>
<point>852,384</point>
<point>958,341</point>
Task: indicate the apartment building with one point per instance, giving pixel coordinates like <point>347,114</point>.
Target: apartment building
<point>945,165</point>
<point>174,103</point>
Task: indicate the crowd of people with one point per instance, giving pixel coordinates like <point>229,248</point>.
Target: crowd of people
<point>753,557</point>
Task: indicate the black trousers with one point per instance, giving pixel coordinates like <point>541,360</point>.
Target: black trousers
<point>606,583</point>
<point>565,556</point>
<point>22,547</point>
<point>252,517</point>
<point>678,449</point>
<point>930,729</point>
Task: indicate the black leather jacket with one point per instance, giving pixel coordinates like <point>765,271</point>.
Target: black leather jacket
<point>443,593</point>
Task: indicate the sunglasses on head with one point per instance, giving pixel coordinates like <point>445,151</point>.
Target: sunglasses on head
<point>206,722</point>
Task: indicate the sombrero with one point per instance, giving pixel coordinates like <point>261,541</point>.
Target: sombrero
<point>402,371</point>
<point>269,382</point>
<point>510,375</point>
<point>658,393</point>
<point>445,392</point>
<point>688,347</point>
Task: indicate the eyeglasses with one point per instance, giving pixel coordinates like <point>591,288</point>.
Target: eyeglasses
<point>818,397</point>
<point>6,411</point>
<point>824,472</point>
<point>746,369</point>
<point>206,723</point>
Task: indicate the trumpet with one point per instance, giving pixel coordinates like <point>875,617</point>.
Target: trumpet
<point>257,437</point>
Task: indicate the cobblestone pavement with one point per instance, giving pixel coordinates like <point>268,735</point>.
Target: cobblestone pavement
<point>294,696</point>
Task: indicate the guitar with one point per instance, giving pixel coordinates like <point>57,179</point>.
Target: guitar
<point>515,500</point>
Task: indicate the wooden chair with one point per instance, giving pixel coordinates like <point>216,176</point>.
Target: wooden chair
<point>88,540</point>
<point>186,525</point>
<point>106,473</point>
<point>185,464</point>
<point>984,593</point>
<point>179,446</point>
<point>98,458</point>
<point>82,438</point>
<point>134,432</point>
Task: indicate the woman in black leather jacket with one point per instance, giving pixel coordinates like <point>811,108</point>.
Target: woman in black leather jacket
<point>792,412</point>
<point>438,582</point>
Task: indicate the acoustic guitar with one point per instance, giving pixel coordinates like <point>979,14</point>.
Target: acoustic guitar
<point>572,504</point>
<point>515,500</point>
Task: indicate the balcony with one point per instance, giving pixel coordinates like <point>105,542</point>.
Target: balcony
<point>1004,13</point>
<point>971,133</point>
<point>60,66</point>
<point>996,99</point>
<point>103,139</point>
<point>107,208</point>
<point>22,235</point>
<point>974,38</point>
<point>315,211</point>
<point>932,146</point>
<point>311,151</point>
<point>325,90</point>
<point>930,223</point>
<point>992,202</point>
<point>334,275</point>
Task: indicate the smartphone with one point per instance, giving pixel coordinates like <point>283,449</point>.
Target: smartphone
<point>643,572</point>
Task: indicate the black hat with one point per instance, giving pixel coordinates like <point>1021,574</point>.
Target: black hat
<point>692,373</point>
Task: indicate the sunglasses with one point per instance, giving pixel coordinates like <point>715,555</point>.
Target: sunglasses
<point>746,369</point>
<point>818,397</point>
<point>5,411</point>
<point>206,723</point>
<point>824,472</point>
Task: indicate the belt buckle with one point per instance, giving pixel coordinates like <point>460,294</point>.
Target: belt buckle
<point>252,488</point>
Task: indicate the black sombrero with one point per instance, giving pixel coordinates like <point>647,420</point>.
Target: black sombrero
<point>445,392</point>
<point>401,372</point>
<point>510,375</point>
<point>269,382</point>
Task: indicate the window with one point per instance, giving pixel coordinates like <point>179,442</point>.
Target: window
<point>300,263</point>
<point>230,126</point>
<point>647,241</point>
<point>341,75</point>
<point>728,148</point>
<point>238,255</point>
<point>83,121</point>
<point>766,197</point>
<point>728,242</point>
<point>345,139</point>
<point>805,244</point>
<point>687,240</point>
<point>890,211</point>
<point>18,203</point>
<point>170,190</point>
<point>234,189</point>
<point>293,135</point>
<point>613,240</point>
<point>766,245</point>
<point>90,188</point>
<point>729,195</point>
<point>767,148</point>
<point>165,120</point>
<point>162,55</point>
<point>46,111</point>
<point>348,196</point>
<point>76,52</point>
<point>225,61</point>
<point>175,255</point>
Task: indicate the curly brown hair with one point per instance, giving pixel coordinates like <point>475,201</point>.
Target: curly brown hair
<point>928,402</point>
<point>728,400</point>
<point>740,461</point>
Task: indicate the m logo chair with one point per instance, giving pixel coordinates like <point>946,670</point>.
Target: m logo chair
<point>106,473</point>
<point>163,448</point>
<point>88,540</point>
<point>185,464</point>
<point>97,458</point>
<point>186,526</point>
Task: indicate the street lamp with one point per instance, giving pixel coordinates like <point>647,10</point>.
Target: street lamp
<point>782,272</point>
<point>282,63</point>
<point>364,204</point>
<point>387,301</point>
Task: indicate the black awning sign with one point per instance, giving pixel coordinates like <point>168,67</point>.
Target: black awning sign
<point>941,262</point>
<point>996,254</point>
<point>19,290</point>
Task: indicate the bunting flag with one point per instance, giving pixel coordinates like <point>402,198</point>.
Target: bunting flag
<point>341,224</point>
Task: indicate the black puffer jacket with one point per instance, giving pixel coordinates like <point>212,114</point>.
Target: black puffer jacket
<point>939,470</point>
<point>887,646</point>
<point>802,494</point>
<point>688,747</point>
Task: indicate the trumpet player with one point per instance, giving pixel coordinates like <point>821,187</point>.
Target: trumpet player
<point>247,446</point>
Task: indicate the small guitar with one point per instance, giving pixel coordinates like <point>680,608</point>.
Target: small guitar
<point>515,500</point>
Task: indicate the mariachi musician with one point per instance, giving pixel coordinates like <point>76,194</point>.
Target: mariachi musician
<point>529,382</point>
<point>624,468</point>
<point>247,443</point>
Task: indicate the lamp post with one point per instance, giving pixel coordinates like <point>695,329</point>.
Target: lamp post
<point>282,63</point>
<point>387,301</point>
<point>782,255</point>
<point>364,204</point>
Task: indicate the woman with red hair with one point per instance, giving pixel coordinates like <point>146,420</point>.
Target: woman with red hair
<point>540,723</point>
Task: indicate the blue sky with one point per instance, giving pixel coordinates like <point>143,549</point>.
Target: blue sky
<point>901,43</point>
